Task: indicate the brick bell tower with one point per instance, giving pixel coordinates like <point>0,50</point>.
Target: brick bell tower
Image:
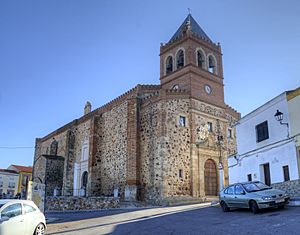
<point>191,61</point>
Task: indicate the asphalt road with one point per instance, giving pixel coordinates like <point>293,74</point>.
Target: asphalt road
<point>191,219</point>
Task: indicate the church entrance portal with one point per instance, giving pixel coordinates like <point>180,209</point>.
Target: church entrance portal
<point>210,175</point>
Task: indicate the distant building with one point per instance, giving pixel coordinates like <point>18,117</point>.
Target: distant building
<point>268,149</point>
<point>155,142</point>
<point>8,182</point>
<point>25,175</point>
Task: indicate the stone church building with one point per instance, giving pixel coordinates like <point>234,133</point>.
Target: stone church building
<point>155,142</point>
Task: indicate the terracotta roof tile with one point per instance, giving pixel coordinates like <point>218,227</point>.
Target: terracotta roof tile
<point>23,168</point>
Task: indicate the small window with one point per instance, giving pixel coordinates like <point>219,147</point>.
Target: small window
<point>28,208</point>
<point>180,59</point>
<point>180,173</point>
<point>229,134</point>
<point>182,121</point>
<point>12,210</point>
<point>249,176</point>
<point>210,127</point>
<point>11,184</point>
<point>238,190</point>
<point>262,132</point>
<point>286,173</point>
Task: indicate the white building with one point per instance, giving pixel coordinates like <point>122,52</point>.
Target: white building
<point>267,149</point>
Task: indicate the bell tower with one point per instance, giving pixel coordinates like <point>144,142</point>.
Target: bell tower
<point>191,61</point>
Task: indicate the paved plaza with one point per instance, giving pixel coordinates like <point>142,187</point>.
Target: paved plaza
<point>190,219</point>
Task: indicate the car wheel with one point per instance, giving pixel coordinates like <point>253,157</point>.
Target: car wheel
<point>224,206</point>
<point>253,207</point>
<point>40,229</point>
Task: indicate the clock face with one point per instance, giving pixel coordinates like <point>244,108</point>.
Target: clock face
<point>207,89</point>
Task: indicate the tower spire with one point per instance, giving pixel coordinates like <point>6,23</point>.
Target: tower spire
<point>193,26</point>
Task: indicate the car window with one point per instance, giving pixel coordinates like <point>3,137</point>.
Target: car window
<point>1,205</point>
<point>255,186</point>
<point>238,189</point>
<point>28,208</point>
<point>12,210</point>
<point>230,190</point>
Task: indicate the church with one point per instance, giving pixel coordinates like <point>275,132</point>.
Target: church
<point>153,143</point>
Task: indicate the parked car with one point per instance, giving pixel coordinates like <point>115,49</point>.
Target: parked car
<point>21,217</point>
<point>254,195</point>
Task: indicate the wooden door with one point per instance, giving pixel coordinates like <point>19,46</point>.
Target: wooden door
<point>267,174</point>
<point>211,178</point>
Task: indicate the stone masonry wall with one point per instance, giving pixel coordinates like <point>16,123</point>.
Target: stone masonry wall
<point>151,166</point>
<point>178,158</point>
<point>40,162</point>
<point>165,150</point>
<point>69,147</point>
<point>111,151</point>
<point>80,203</point>
<point>292,187</point>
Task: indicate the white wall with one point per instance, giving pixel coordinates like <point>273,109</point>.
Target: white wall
<point>277,156</point>
<point>278,150</point>
<point>246,133</point>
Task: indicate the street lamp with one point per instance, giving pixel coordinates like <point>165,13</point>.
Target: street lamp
<point>279,117</point>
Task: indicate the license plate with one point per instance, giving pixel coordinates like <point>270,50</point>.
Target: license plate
<point>279,200</point>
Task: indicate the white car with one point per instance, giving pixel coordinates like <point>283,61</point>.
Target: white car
<point>21,217</point>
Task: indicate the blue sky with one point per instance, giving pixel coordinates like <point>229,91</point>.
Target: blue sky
<point>55,55</point>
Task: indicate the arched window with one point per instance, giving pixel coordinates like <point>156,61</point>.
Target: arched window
<point>179,59</point>
<point>53,147</point>
<point>200,59</point>
<point>212,64</point>
<point>169,65</point>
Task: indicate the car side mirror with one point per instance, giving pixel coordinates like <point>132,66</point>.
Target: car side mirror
<point>4,218</point>
<point>243,192</point>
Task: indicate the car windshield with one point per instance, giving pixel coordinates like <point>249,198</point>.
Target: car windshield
<point>255,186</point>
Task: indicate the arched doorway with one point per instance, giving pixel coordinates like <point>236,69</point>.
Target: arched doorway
<point>84,180</point>
<point>211,178</point>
